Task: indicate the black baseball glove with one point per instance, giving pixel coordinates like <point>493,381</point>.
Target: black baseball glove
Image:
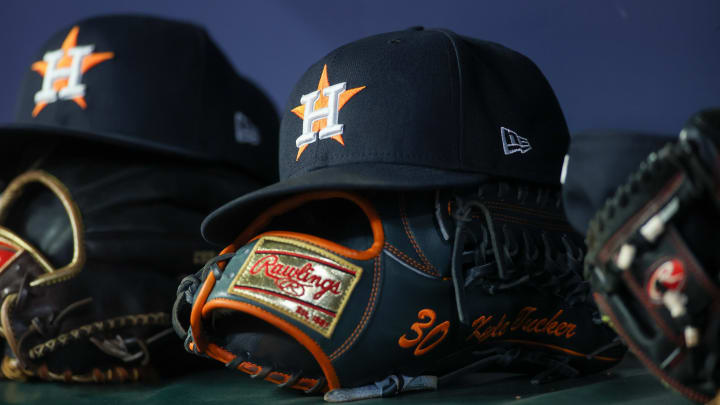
<point>92,244</point>
<point>653,260</point>
<point>371,296</point>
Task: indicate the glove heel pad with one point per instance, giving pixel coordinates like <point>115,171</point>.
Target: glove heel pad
<point>261,343</point>
<point>281,376</point>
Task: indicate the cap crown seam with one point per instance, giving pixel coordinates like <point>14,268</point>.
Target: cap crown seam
<point>461,108</point>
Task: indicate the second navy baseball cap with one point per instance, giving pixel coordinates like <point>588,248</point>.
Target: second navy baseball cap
<point>597,163</point>
<point>414,109</point>
<point>148,83</point>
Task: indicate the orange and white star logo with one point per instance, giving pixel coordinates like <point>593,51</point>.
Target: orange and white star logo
<point>319,112</point>
<point>62,71</point>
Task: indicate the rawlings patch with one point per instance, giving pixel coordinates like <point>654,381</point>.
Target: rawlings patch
<point>669,275</point>
<point>303,281</point>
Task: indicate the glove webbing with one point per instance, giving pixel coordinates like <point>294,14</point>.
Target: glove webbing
<point>478,257</point>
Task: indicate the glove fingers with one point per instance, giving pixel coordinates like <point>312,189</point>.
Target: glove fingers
<point>652,257</point>
<point>90,272</point>
<point>262,344</point>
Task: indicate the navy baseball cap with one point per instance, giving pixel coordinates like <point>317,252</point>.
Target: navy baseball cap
<point>597,163</point>
<point>145,82</point>
<point>414,109</point>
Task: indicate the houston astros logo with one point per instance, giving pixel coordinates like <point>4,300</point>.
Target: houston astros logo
<point>62,71</point>
<point>670,275</point>
<point>319,112</point>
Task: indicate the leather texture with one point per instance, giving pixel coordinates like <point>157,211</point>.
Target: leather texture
<point>140,217</point>
<point>403,312</point>
<point>652,261</point>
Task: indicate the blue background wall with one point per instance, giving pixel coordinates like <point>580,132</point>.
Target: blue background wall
<point>643,65</point>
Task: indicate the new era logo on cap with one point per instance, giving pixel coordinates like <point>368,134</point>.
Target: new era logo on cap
<point>513,143</point>
<point>245,130</point>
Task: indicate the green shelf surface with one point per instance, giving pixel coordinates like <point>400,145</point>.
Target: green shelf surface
<point>628,383</point>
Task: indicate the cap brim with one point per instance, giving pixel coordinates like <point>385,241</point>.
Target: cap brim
<point>39,132</point>
<point>224,224</point>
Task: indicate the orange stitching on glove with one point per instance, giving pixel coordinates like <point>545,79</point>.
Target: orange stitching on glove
<point>274,377</point>
<point>409,260</point>
<point>411,237</point>
<point>366,315</point>
<point>312,346</point>
<point>558,348</point>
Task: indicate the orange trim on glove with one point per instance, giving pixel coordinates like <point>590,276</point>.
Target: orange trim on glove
<point>311,345</point>
<point>201,308</point>
<point>196,313</point>
<point>561,349</point>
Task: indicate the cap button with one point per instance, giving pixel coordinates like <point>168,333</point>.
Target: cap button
<point>416,28</point>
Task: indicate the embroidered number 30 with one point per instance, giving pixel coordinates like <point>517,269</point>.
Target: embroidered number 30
<point>428,342</point>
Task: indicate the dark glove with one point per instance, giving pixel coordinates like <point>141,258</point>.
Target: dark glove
<point>653,260</point>
<point>372,296</point>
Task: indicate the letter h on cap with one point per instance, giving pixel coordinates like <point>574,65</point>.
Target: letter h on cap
<point>330,113</point>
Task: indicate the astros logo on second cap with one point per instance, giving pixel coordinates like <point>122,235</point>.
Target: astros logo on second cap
<point>62,71</point>
<point>319,112</point>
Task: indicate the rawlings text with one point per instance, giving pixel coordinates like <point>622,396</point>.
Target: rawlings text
<point>303,281</point>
